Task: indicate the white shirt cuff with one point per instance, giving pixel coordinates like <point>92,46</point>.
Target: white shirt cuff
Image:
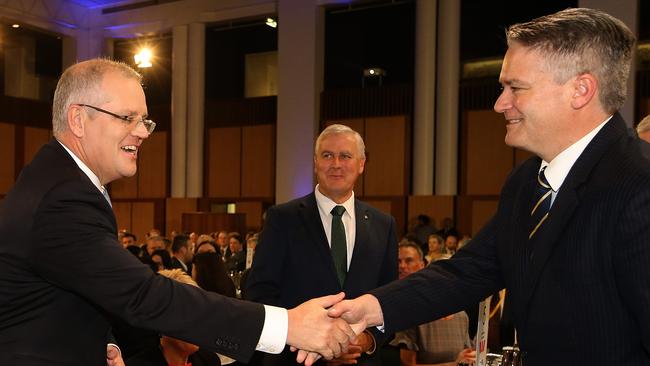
<point>274,332</point>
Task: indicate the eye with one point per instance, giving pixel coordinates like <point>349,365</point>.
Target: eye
<point>327,155</point>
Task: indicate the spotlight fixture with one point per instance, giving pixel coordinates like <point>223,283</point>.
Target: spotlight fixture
<point>374,71</point>
<point>271,22</point>
<point>143,58</point>
<point>15,25</point>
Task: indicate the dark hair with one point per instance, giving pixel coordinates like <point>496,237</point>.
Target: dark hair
<point>210,273</point>
<point>135,250</point>
<point>180,241</point>
<point>164,255</point>
<point>129,235</point>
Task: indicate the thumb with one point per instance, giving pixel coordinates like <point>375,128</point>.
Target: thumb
<point>111,352</point>
<point>329,300</point>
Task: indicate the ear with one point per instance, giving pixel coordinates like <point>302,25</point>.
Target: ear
<point>585,87</point>
<point>362,165</point>
<point>75,121</point>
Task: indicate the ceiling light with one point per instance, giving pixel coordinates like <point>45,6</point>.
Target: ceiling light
<point>271,22</point>
<point>143,58</point>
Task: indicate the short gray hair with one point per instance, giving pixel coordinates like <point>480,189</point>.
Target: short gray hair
<point>410,244</point>
<point>581,40</point>
<point>81,83</point>
<point>644,125</point>
<point>337,129</point>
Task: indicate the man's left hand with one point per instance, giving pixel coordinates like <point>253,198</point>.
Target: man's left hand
<point>361,344</point>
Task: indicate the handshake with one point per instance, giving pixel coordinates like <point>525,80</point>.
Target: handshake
<point>329,327</point>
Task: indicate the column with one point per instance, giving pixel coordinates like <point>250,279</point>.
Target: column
<point>300,78</point>
<point>179,112</point>
<point>446,177</point>
<point>195,108</point>
<point>425,94</point>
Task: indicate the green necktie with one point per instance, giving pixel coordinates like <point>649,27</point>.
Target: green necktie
<point>339,247</point>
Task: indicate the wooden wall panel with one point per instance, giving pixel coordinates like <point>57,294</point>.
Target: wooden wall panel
<point>253,211</point>
<point>35,138</point>
<point>258,161</point>
<point>153,168</point>
<point>386,169</point>
<point>122,211</point>
<point>174,209</point>
<point>489,159</point>
<point>125,187</point>
<point>521,156</point>
<point>436,207</point>
<point>142,218</point>
<point>357,124</point>
<point>8,154</point>
<point>224,162</point>
<point>482,211</point>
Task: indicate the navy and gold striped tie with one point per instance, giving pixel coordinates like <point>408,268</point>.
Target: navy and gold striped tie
<point>542,205</point>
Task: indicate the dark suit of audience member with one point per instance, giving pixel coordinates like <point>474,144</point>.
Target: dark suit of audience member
<point>293,260</point>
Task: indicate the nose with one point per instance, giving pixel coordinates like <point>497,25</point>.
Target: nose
<point>140,130</point>
<point>503,102</point>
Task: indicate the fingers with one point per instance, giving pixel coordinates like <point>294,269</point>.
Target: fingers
<point>329,300</point>
<point>311,358</point>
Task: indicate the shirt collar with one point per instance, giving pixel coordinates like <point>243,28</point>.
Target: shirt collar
<point>558,169</point>
<point>84,168</point>
<point>325,204</point>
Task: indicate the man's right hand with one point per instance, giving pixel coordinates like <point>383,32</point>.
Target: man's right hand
<point>311,329</point>
<point>364,310</point>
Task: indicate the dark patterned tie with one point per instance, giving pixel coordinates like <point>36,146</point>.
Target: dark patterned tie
<point>339,247</point>
<point>542,205</point>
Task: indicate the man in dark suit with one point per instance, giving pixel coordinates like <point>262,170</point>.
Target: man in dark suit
<point>576,273</point>
<point>182,254</point>
<point>63,273</point>
<point>297,258</point>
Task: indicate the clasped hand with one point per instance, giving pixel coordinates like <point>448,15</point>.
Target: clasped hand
<point>328,327</point>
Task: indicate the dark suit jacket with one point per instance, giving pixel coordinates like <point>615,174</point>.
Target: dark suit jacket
<point>293,262</point>
<point>62,272</point>
<point>583,295</point>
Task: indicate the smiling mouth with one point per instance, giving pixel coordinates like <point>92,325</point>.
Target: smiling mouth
<point>131,149</point>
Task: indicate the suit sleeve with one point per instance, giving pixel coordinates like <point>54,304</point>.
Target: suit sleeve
<point>631,256</point>
<point>265,279</point>
<point>443,287</point>
<point>77,250</point>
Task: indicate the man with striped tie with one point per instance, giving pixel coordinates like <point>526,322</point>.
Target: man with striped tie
<point>571,237</point>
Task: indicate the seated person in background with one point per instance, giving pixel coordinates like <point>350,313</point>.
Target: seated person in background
<point>210,274</point>
<point>206,244</point>
<point>172,351</point>
<point>451,244</point>
<point>436,248</point>
<point>237,261</point>
<point>127,239</point>
<point>160,259</point>
<point>441,342</point>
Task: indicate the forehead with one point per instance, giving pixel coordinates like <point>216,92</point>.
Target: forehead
<point>125,91</point>
<point>407,252</point>
<point>521,64</point>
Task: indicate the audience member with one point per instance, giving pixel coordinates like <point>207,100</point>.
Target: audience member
<point>206,244</point>
<point>223,245</point>
<point>425,226</point>
<point>436,248</point>
<point>451,244</point>
<point>128,239</point>
<point>237,260</point>
<point>643,129</point>
<point>210,273</point>
<point>327,241</point>
<point>182,253</point>
<point>160,259</point>
<point>440,342</point>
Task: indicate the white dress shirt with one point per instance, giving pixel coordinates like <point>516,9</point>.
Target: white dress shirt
<point>558,169</point>
<point>276,319</point>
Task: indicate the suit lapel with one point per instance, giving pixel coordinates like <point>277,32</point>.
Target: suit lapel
<point>362,221</point>
<point>317,237</point>
<point>568,200</point>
